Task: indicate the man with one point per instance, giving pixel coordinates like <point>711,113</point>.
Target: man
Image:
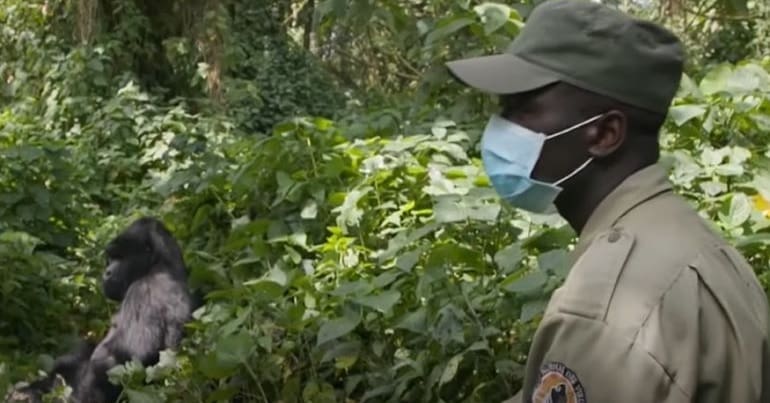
<point>657,307</point>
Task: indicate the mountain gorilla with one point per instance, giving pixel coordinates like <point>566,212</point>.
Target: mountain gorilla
<point>147,274</point>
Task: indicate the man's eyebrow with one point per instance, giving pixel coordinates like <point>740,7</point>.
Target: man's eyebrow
<point>511,103</point>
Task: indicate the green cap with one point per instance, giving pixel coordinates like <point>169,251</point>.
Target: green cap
<point>588,45</point>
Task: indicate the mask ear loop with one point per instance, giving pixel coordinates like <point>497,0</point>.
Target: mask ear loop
<point>571,128</point>
<point>575,172</point>
<point>567,130</point>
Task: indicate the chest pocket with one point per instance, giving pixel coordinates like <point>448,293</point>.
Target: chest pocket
<point>589,287</point>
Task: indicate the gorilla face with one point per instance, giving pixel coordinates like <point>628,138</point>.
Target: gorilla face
<point>130,256</point>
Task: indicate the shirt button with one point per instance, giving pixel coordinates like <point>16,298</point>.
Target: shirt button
<point>614,236</point>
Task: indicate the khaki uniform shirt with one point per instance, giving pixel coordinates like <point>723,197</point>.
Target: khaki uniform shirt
<point>657,308</point>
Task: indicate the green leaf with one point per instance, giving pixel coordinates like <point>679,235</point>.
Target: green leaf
<point>509,257</point>
<point>405,238</point>
<point>235,348</point>
<point>682,114</point>
<point>713,157</point>
<point>761,183</point>
<point>416,321</point>
<point>484,212</point>
<point>738,155</point>
<point>529,283</point>
<point>748,78</point>
<point>713,188</point>
<point>336,328</point>
<point>729,170</point>
<point>382,302</point>
<point>554,261</point>
<point>285,184</point>
<point>439,132</point>
<point>689,88</point>
<point>358,287</point>
<point>339,7</point>
<point>450,371</point>
<point>265,290</point>
<point>735,7</point>
<point>754,239</point>
<point>495,15</point>
<point>550,238</point>
<point>384,279</point>
<point>349,212</point>
<point>136,396</point>
<point>740,210</point>
<point>447,27</point>
<point>532,309</point>
<point>715,80</point>
<point>346,354</point>
<point>449,210</point>
<point>407,260</point>
<point>310,210</point>
<point>451,255</point>
<point>449,326</point>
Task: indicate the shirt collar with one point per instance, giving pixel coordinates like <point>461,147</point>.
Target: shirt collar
<point>636,189</point>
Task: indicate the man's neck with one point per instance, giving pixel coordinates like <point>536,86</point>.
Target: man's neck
<point>577,203</point>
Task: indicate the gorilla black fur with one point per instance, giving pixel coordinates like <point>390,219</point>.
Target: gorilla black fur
<point>147,274</point>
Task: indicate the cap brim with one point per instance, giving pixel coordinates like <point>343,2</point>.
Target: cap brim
<point>501,74</point>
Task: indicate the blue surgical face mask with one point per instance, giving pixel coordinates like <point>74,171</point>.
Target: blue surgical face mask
<point>509,152</point>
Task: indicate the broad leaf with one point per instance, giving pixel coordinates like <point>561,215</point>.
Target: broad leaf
<point>450,371</point>
<point>135,396</point>
<point>382,302</point>
<point>682,114</point>
<point>509,257</point>
<point>530,282</point>
<point>532,309</point>
<point>447,27</point>
<point>336,328</point>
<point>740,209</point>
<point>416,321</point>
<point>554,261</point>
<point>495,15</point>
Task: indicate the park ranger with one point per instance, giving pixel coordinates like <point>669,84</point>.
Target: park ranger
<point>657,307</point>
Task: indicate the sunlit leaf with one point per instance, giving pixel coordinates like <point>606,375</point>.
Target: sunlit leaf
<point>716,80</point>
<point>450,371</point>
<point>713,188</point>
<point>450,210</point>
<point>740,209</point>
<point>310,210</point>
<point>681,114</point>
<point>495,15</point>
<point>136,396</point>
<point>509,257</point>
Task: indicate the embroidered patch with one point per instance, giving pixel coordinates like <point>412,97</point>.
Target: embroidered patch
<point>558,384</point>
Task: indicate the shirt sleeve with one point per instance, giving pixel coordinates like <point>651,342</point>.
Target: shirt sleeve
<point>580,360</point>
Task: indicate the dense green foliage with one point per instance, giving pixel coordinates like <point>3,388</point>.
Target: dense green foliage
<point>321,173</point>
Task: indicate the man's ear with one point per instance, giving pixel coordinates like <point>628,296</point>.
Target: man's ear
<point>608,134</point>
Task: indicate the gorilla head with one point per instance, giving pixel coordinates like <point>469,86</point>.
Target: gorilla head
<point>144,246</point>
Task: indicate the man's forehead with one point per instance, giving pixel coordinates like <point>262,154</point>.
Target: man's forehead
<point>547,94</point>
